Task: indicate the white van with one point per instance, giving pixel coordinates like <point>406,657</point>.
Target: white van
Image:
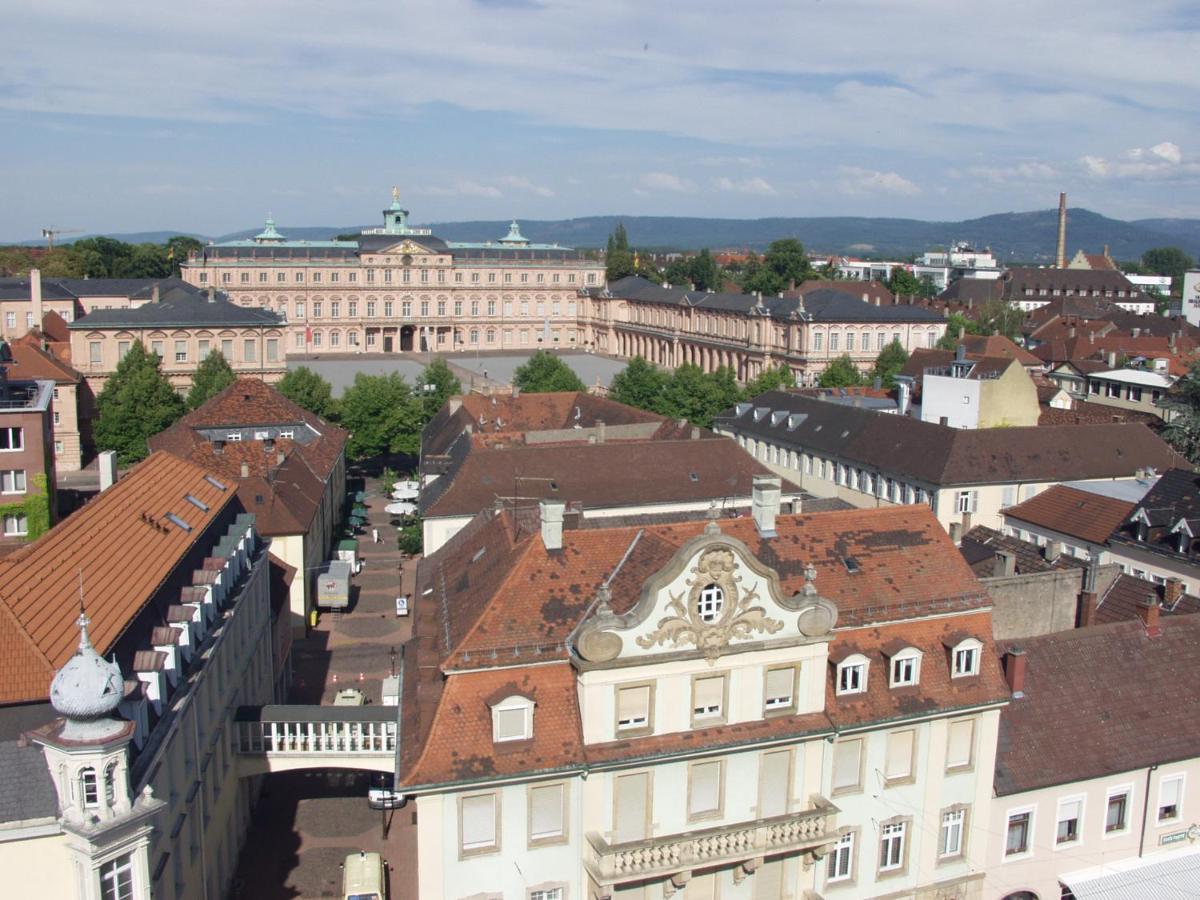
<point>364,877</point>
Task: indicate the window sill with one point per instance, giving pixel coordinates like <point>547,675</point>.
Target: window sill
<point>468,853</point>
<point>845,791</point>
<point>899,782</point>
<point>549,841</point>
<point>898,872</point>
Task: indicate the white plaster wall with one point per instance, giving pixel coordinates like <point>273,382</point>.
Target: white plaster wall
<point>957,399</point>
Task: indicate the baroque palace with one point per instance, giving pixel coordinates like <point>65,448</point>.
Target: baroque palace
<point>399,288</point>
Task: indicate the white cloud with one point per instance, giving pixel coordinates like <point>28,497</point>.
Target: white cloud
<point>522,183</point>
<point>755,185</point>
<point>665,181</point>
<point>1162,162</point>
<point>460,189</point>
<point>1029,170</point>
<point>854,180</point>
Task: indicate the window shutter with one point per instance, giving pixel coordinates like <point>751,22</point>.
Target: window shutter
<point>958,746</point>
<point>633,705</point>
<point>1071,809</point>
<point>1169,793</point>
<point>709,694</point>
<point>773,788</point>
<point>479,821</point>
<point>546,811</point>
<point>779,686</point>
<point>706,788</point>
<point>899,754</point>
<point>847,761</point>
<point>974,501</point>
<point>632,809</point>
<point>510,724</point>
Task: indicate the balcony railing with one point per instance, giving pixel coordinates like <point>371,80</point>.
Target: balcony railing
<point>671,854</point>
<point>317,730</point>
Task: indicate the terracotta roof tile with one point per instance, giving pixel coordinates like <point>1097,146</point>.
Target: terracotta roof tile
<point>121,557</point>
<point>1121,602</point>
<point>1075,513</point>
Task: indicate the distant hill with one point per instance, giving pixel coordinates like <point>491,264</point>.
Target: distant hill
<point>1025,237</point>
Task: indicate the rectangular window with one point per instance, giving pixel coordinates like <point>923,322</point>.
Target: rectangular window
<point>156,347</point>
<point>708,698</point>
<point>1017,840</point>
<point>959,743</point>
<point>272,349</point>
<point>12,438</point>
<point>250,351</point>
<point>833,343</point>
<point>510,724</point>
<point>316,278</point>
<point>633,707</point>
<point>227,350</point>
<point>847,765</point>
<point>899,764</point>
<point>181,351</point>
<point>1069,814</point>
<point>852,678</point>
<point>891,846</point>
<point>905,670</point>
<point>951,843</point>
<point>774,783</point>
<point>477,816</point>
<point>1116,816</point>
<point>966,662</point>
<point>704,789</point>
<point>280,277</point>
<point>546,812</point>
<point>116,878</point>
<point>781,688</point>
<point>94,353</point>
<point>879,340</point>
<point>967,501</point>
<point>318,309</point>
<point>841,858</point>
<point>1170,798</point>
<point>16,525</point>
<point>631,814</point>
<point>13,481</point>
<point>299,309</point>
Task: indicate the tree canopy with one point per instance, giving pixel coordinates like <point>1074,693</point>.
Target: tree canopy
<point>696,396</point>
<point>543,372</point>
<point>701,270</point>
<point>437,385</point>
<point>639,384</point>
<point>905,283</point>
<point>771,379</point>
<point>212,376</point>
<point>382,416</point>
<point>888,364</point>
<point>841,372</point>
<point>136,403</point>
<point>1168,261</point>
<point>306,388</point>
<point>1183,430</point>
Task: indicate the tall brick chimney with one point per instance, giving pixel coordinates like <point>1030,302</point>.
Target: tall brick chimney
<point>1148,611</point>
<point>1086,615</point>
<point>1060,257</point>
<point>1014,671</point>
<point>35,296</point>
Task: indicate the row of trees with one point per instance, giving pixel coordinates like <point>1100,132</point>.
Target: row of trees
<point>101,257</point>
<point>383,413</point>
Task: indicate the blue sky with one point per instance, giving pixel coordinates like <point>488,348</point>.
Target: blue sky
<point>128,117</point>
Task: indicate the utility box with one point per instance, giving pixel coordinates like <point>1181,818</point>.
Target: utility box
<point>391,690</point>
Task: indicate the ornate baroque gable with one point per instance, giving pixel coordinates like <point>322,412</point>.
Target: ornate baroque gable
<point>712,597</point>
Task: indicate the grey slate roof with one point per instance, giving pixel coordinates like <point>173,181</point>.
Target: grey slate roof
<point>942,456</point>
<point>26,790</point>
<point>825,305</point>
<point>180,307</point>
<point>73,288</point>
<point>17,288</point>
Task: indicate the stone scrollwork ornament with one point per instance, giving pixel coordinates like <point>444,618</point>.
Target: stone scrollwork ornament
<point>715,611</point>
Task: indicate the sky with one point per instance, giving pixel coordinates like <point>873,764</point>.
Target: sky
<point>130,116</point>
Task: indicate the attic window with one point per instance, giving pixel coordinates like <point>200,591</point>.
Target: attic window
<point>554,485</point>
<point>693,476</point>
<point>214,482</point>
<point>906,667</point>
<point>178,522</point>
<point>512,719</point>
<point>258,498</point>
<point>233,437</point>
<point>852,565</point>
<point>196,502</point>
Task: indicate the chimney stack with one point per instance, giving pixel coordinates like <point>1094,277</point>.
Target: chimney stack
<point>108,469</point>
<point>600,431</point>
<point>552,512</point>
<point>1014,671</point>
<point>35,296</point>
<point>764,503</point>
<point>1087,594</point>
<point>1172,591</point>
<point>1005,565</point>
<point>1060,257</point>
<point>1148,611</point>
<point>154,293</point>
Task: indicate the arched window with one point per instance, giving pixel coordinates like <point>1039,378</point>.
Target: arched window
<point>110,784</point>
<point>89,794</point>
<point>512,719</point>
<point>852,674</point>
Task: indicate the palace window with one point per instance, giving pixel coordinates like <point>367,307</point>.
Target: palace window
<point>891,847</point>
<point>370,308</point>
<point>547,813</point>
<point>780,688</point>
<point>960,743</point>
<point>89,788</point>
<point>116,878</point>
<point>951,843</point>
<point>898,765</point>
<point>710,603</point>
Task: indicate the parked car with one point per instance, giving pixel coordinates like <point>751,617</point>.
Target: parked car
<point>349,697</point>
<point>364,877</point>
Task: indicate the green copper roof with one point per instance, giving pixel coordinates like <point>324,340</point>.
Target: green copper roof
<point>269,233</point>
<point>514,235</point>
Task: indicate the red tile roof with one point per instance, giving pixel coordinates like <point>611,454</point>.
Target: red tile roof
<point>1100,701</point>
<point>1122,600</point>
<point>121,557</point>
<point>29,360</point>
<point>1075,513</point>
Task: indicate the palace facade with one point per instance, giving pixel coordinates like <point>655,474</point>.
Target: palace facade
<point>400,288</point>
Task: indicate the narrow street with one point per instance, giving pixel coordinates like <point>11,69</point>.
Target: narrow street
<point>307,822</point>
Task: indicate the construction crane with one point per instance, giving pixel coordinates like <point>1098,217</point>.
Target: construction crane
<point>51,233</point>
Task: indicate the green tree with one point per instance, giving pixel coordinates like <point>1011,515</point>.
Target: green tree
<point>382,416</point>
<point>841,373</point>
<point>543,373</point>
<point>410,539</point>
<point>759,278</point>
<point>136,403</point>
<point>306,388</point>
<point>618,258</point>
<point>888,363</point>
<point>787,259</point>
<point>1168,261</point>
<point>1183,403</point>
<point>770,380</point>
<point>177,250</point>
<point>437,385</point>
<point>692,394</point>
<point>904,283</point>
<point>144,261</point>
<point>212,376</point>
<point>701,270</point>
<point>639,384</point>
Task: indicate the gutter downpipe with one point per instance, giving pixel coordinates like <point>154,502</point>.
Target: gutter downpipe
<point>1145,811</point>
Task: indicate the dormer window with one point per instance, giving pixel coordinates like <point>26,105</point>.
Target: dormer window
<point>964,658</point>
<point>906,667</point>
<point>852,675</point>
<point>512,719</point>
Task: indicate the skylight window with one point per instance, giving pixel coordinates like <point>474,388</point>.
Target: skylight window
<point>693,476</point>
<point>852,565</point>
<point>197,502</point>
<point>214,483</point>
<point>178,522</point>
